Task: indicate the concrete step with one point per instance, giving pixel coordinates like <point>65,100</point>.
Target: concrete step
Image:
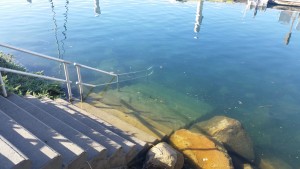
<point>73,156</point>
<point>118,123</point>
<point>41,156</point>
<point>11,157</point>
<point>97,156</point>
<point>114,150</point>
<point>130,148</point>
<point>94,122</point>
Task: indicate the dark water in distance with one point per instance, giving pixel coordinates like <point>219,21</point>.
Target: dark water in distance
<point>239,63</point>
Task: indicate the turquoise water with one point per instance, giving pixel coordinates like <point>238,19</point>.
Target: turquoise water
<point>238,63</point>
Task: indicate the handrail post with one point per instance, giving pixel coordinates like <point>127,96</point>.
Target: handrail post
<point>68,81</point>
<point>147,76</point>
<point>118,83</point>
<point>79,81</point>
<point>3,85</point>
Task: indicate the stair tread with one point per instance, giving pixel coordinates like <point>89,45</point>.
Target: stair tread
<point>114,150</point>
<point>95,150</point>
<point>134,146</point>
<point>118,123</point>
<point>85,115</point>
<point>72,154</point>
<point>11,157</point>
<point>41,155</point>
<point>123,142</point>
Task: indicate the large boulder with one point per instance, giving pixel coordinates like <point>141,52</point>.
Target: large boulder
<point>201,151</point>
<point>163,156</point>
<point>230,132</point>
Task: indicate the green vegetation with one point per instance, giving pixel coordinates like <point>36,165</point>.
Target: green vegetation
<point>22,85</point>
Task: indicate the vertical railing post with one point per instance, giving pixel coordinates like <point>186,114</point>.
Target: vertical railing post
<point>147,75</point>
<point>68,81</point>
<point>3,86</point>
<point>79,81</point>
<point>118,83</point>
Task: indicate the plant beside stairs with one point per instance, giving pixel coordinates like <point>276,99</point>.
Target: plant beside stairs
<point>22,85</point>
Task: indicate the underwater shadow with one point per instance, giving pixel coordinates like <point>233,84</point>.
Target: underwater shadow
<point>142,120</point>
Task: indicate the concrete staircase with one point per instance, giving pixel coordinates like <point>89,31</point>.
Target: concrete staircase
<point>42,133</point>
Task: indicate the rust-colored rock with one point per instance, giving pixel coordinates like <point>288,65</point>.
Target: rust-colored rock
<point>230,132</point>
<point>200,150</point>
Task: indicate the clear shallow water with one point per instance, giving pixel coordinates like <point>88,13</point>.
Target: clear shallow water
<point>237,65</point>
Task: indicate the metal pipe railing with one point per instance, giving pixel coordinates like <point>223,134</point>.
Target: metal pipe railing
<point>122,74</point>
<point>33,75</point>
<point>68,81</point>
<point>66,71</point>
<point>97,70</point>
<point>128,73</point>
<point>92,85</point>
<point>64,62</point>
<point>26,74</point>
<point>81,84</point>
<point>34,53</point>
<point>3,86</point>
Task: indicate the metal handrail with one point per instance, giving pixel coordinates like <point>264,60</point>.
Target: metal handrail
<point>97,70</point>
<point>34,53</point>
<point>91,85</point>
<point>26,74</point>
<point>81,84</point>
<point>33,75</point>
<point>128,73</point>
<point>64,62</point>
<point>67,78</point>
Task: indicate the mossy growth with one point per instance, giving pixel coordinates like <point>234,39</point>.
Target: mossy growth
<point>22,85</point>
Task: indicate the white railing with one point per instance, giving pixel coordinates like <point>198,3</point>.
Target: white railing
<point>65,63</point>
<point>117,81</point>
<point>26,74</point>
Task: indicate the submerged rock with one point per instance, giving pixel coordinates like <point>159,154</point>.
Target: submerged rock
<point>240,163</point>
<point>163,156</point>
<point>201,151</point>
<point>230,132</point>
<point>247,166</point>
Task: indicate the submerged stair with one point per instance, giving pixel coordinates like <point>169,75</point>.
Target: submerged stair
<point>42,133</point>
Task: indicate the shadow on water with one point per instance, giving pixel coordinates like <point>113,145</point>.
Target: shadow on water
<point>127,105</point>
